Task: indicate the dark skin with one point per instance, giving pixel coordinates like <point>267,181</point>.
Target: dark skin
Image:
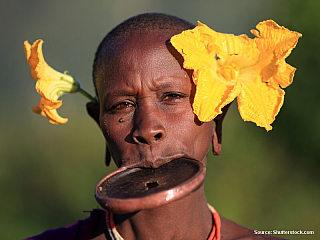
<point>148,89</point>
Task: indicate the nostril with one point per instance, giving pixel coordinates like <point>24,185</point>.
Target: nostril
<point>157,136</point>
<point>141,140</point>
<point>148,137</point>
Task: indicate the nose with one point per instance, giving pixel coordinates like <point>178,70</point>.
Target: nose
<point>148,127</point>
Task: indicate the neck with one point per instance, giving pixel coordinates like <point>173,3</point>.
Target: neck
<point>187,218</point>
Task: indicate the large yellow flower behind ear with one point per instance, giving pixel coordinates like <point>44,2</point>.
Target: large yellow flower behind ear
<point>50,83</point>
<point>227,66</point>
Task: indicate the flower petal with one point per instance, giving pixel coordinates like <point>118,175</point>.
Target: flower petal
<point>275,44</point>
<point>54,117</point>
<point>212,94</point>
<point>47,109</point>
<point>193,46</point>
<point>285,78</point>
<point>27,49</point>
<point>259,103</point>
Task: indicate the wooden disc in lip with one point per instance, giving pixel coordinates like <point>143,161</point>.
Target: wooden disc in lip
<point>129,190</point>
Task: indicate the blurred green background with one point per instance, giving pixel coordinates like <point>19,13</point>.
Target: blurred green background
<point>48,173</point>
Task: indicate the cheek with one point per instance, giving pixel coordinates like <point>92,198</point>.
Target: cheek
<point>115,133</point>
<point>191,133</point>
<point>203,138</point>
<point>112,128</point>
<point>104,123</point>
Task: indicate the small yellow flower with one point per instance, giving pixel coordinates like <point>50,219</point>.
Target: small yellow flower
<point>228,67</point>
<point>50,83</point>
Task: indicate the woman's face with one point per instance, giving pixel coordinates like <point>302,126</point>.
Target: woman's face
<point>146,104</point>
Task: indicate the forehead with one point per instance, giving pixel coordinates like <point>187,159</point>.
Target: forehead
<point>142,53</point>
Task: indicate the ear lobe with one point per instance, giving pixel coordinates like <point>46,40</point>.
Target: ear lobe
<point>216,146</point>
<point>217,133</point>
<point>107,157</point>
<point>93,110</point>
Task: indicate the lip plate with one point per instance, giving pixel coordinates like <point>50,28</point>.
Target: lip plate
<point>125,191</point>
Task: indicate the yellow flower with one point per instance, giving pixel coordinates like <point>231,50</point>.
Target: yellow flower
<point>50,83</point>
<point>228,67</point>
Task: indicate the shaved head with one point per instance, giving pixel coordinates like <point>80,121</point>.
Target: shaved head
<point>149,22</point>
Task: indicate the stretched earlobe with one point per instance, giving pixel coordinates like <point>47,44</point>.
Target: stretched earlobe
<point>107,157</point>
<point>216,146</point>
<point>93,109</point>
<point>217,132</point>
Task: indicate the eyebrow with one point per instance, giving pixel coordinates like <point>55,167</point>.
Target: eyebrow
<point>158,84</point>
<point>168,82</point>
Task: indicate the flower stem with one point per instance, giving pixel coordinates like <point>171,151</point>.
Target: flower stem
<point>77,88</point>
<point>87,95</point>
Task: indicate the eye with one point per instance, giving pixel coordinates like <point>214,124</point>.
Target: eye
<point>122,106</point>
<point>168,97</point>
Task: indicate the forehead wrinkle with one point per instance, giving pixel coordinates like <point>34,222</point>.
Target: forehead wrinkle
<point>167,82</point>
<point>128,85</point>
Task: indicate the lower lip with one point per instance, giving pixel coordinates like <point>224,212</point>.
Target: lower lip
<point>129,190</point>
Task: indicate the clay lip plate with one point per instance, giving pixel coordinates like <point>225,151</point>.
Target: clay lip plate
<point>129,190</point>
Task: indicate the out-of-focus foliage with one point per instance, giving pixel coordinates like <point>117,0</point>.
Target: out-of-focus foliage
<point>48,173</point>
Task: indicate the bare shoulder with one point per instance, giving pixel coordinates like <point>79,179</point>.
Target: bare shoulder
<point>233,231</point>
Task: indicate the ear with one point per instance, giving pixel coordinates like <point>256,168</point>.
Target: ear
<point>93,110</point>
<point>217,132</point>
